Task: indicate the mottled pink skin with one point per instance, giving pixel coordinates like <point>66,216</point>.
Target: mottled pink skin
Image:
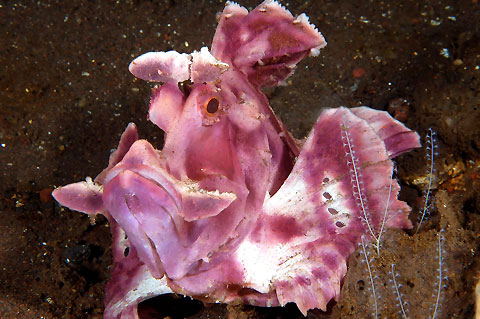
<point>230,209</point>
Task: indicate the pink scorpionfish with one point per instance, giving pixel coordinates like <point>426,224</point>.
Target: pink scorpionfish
<point>232,209</point>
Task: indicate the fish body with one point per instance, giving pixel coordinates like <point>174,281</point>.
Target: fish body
<point>231,209</point>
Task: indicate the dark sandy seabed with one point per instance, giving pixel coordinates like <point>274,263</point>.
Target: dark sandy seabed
<point>66,95</point>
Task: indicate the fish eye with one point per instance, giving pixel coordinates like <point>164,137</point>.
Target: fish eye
<point>211,107</point>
